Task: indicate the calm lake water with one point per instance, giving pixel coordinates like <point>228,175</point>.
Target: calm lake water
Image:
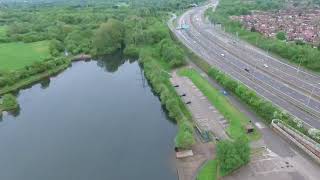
<point>98,120</point>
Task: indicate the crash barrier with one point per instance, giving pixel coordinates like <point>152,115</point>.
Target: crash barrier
<point>305,143</point>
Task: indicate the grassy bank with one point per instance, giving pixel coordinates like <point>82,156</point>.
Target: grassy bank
<point>208,171</point>
<point>33,79</point>
<point>17,55</point>
<point>237,120</point>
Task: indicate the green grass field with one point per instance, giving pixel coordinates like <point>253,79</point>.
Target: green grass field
<point>17,54</point>
<point>208,171</point>
<point>237,120</point>
<point>2,31</point>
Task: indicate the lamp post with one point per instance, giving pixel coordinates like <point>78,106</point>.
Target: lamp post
<point>311,94</point>
<point>299,66</point>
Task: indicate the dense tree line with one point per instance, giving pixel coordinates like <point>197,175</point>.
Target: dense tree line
<point>159,80</point>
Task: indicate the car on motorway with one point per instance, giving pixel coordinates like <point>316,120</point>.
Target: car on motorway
<point>222,55</point>
<point>246,69</point>
<point>265,65</point>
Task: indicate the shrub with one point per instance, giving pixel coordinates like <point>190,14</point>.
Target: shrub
<point>131,51</point>
<point>185,138</point>
<point>281,35</point>
<point>232,155</point>
<point>315,133</point>
<point>9,102</point>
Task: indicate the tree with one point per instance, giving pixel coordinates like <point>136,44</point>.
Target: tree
<point>109,37</point>
<point>253,29</point>
<point>242,146</point>
<point>55,47</point>
<point>9,102</point>
<point>233,154</point>
<point>184,139</point>
<point>228,157</point>
<point>281,35</point>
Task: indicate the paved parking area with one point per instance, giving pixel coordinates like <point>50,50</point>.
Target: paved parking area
<point>204,114</point>
<point>266,165</point>
<point>187,168</point>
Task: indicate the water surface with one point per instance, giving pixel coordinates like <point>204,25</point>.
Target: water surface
<point>95,121</point>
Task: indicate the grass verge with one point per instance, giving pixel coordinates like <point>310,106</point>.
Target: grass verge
<point>237,120</point>
<point>208,171</point>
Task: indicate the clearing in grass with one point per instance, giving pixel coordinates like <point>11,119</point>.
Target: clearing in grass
<point>237,120</point>
<point>16,55</point>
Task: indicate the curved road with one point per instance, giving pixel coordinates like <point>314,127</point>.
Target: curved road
<point>293,89</point>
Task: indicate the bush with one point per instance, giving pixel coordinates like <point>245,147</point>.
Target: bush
<point>9,102</point>
<point>281,35</point>
<point>315,133</point>
<point>56,47</point>
<point>184,139</point>
<point>131,51</point>
<point>232,155</point>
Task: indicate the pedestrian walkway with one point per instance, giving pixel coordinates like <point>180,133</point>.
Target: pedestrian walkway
<point>204,114</point>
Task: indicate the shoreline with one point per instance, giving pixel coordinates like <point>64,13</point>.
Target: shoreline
<point>33,79</point>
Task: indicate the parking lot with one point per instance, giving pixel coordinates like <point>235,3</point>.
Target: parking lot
<point>204,114</point>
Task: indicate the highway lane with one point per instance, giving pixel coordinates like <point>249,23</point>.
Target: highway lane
<point>279,79</point>
<point>260,54</point>
<point>305,79</point>
<point>247,81</point>
<point>305,85</point>
<point>193,40</point>
<point>283,89</point>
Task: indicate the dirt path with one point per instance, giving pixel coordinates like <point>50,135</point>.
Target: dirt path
<point>188,167</point>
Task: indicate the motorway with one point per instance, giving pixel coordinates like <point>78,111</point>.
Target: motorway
<point>293,89</point>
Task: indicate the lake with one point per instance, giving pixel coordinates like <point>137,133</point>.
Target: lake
<point>98,120</point>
